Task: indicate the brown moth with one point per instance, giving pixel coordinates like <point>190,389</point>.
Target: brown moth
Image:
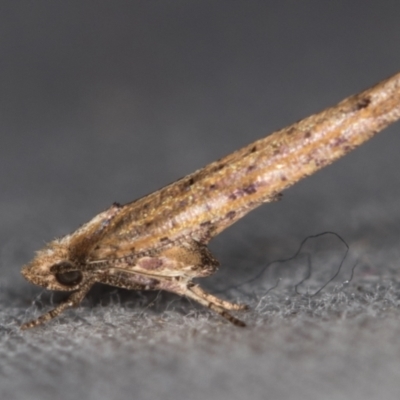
<point>159,242</point>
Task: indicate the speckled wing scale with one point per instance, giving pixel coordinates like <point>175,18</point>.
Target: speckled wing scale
<point>159,241</point>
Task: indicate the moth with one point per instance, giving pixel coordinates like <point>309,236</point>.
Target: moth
<point>159,242</point>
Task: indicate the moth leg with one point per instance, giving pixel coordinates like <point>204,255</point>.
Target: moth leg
<point>73,300</point>
<point>213,303</point>
<point>213,299</point>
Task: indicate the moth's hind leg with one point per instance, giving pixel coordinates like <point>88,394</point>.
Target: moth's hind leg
<point>214,303</point>
<point>196,289</point>
<point>73,300</point>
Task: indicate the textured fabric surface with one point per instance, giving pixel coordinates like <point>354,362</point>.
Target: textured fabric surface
<point>106,101</point>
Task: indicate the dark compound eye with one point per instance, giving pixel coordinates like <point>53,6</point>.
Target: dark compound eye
<point>70,278</point>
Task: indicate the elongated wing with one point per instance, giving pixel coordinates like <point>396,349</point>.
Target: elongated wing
<point>206,202</point>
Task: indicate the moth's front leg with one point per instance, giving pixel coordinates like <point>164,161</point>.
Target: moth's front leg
<point>73,300</point>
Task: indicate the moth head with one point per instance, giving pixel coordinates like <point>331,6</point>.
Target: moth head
<point>52,269</point>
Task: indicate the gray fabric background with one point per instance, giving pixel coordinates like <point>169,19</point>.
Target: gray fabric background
<point>105,101</point>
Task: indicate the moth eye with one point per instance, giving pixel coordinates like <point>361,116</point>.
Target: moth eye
<point>70,278</point>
